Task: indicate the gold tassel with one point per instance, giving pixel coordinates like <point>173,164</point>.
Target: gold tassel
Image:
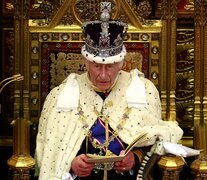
<point>106,141</point>
<point>105,172</point>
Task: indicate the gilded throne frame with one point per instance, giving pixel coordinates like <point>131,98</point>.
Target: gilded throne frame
<point>64,27</point>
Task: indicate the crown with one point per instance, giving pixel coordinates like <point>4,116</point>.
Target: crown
<point>104,38</point>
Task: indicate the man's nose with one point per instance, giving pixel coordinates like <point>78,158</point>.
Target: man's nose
<point>103,72</point>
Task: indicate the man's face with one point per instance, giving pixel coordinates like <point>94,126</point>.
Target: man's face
<point>103,76</point>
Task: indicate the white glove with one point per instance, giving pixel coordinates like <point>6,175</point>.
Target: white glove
<point>68,176</point>
<point>180,150</point>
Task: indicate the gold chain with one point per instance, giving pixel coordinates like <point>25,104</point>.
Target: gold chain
<point>105,119</point>
<point>114,133</point>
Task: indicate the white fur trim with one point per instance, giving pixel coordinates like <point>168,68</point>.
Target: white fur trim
<point>69,96</point>
<point>107,60</point>
<point>135,94</point>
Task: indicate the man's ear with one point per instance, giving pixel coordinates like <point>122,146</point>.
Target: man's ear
<point>121,65</point>
<point>86,63</point>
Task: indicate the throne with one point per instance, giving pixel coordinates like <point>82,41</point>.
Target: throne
<point>54,42</point>
<point>60,54</point>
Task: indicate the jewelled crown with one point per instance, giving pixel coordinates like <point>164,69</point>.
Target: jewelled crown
<point>104,38</point>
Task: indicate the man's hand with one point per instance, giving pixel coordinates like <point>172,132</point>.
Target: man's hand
<point>80,167</point>
<point>126,163</point>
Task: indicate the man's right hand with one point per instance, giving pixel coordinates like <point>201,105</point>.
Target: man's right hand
<point>80,167</point>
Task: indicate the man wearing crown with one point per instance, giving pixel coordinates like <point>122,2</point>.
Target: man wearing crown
<point>101,112</point>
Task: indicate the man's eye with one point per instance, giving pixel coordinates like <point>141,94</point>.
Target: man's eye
<point>109,66</point>
<point>97,66</point>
